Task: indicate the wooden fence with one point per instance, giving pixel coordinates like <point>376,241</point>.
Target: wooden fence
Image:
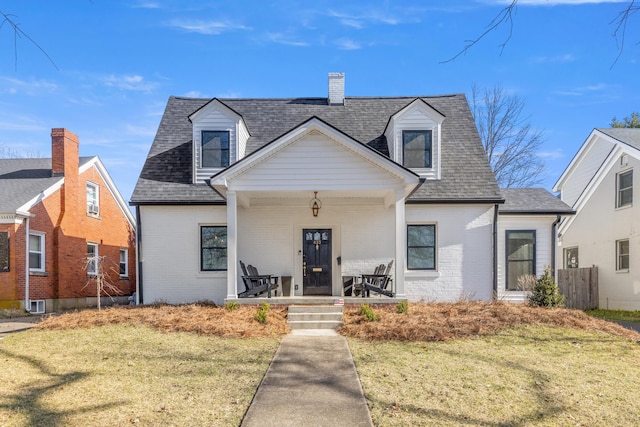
<point>579,287</point>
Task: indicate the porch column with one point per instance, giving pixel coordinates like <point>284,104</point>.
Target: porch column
<point>232,245</point>
<point>400,243</point>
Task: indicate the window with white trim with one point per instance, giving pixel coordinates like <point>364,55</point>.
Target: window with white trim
<point>93,199</point>
<point>622,255</point>
<point>213,248</point>
<point>215,149</point>
<point>417,148</point>
<point>92,259</point>
<point>624,186</point>
<point>521,256</point>
<point>124,262</point>
<point>36,251</point>
<point>421,247</point>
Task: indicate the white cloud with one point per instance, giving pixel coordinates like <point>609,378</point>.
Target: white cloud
<point>557,59</point>
<point>286,40</point>
<point>132,82</point>
<point>583,90</point>
<point>207,27</point>
<point>146,5</point>
<point>554,154</point>
<point>359,21</point>
<point>347,44</point>
<point>22,127</point>
<point>195,94</point>
<point>29,87</point>
<point>140,130</point>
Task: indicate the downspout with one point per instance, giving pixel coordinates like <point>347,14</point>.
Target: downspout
<point>495,251</point>
<point>27,306</point>
<point>139,299</point>
<point>554,243</point>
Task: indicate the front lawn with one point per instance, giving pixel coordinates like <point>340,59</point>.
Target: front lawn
<point>617,315</point>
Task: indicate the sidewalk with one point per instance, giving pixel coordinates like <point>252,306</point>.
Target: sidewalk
<point>17,324</point>
<point>312,381</point>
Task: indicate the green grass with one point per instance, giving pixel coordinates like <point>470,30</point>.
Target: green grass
<point>630,316</point>
<point>128,375</point>
<point>528,376</point>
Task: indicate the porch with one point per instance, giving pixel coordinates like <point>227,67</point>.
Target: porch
<point>281,301</point>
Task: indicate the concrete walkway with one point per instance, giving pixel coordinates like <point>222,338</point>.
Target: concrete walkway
<point>312,381</point>
<point>17,324</point>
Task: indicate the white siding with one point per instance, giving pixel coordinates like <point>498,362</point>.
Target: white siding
<point>213,120</point>
<point>595,229</point>
<point>171,254</point>
<point>464,235</point>
<point>415,117</point>
<point>542,225</point>
<point>314,162</point>
<point>243,137</point>
<point>591,160</point>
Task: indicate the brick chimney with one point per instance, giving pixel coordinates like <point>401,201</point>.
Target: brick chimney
<point>65,158</point>
<point>336,88</point>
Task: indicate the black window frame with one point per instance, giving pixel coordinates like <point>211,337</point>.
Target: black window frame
<point>567,254</point>
<point>434,247</point>
<point>224,152</point>
<point>212,248</point>
<point>620,190</point>
<point>426,149</point>
<point>507,261</point>
<point>5,252</point>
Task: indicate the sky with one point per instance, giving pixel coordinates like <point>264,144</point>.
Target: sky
<point>118,61</point>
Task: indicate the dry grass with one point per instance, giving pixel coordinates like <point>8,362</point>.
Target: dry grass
<point>201,319</point>
<point>448,321</point>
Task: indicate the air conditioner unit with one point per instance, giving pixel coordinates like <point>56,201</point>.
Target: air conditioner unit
<point>36,306</point>
<point>94,209</point>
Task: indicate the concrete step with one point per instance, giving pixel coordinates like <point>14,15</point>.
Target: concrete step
<point>315,317</point>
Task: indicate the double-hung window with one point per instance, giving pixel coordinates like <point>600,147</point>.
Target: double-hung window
<point>421,247</point>
<point>124,262</point>
<point>622,255</point>
<point>624,183</point>
<point>36,252</point>
<point>92,259</point>
<point>93,199</point>
<point>215,149</point>
<point>213,248</point>
<point>417,148</point>
<point>521,256</point>
<point>4,251</point>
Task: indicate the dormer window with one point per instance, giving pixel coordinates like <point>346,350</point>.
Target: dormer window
<point>215,149</point>
<point>417,148</point>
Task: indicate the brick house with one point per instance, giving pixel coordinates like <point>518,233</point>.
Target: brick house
<point>71,211</point>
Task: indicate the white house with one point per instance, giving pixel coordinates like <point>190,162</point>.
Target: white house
<point>599,184</point>
<point>317,190</point>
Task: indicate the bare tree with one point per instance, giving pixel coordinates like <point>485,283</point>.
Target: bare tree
<point>506,16</point>
<point>98,268</point>
<point>10,21</point>
<point>510,142</point>
<point>7,152</point>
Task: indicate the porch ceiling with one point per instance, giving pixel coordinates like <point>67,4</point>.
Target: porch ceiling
<point>302,198</point>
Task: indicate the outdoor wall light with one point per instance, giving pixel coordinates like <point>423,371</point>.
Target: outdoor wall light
<point>315,204</point>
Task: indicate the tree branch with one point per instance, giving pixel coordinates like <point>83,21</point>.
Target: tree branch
<point>17,32</point>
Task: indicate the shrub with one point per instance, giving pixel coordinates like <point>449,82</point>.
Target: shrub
<point>527,282</point>
<point>231,306</point>
<point>367,312</point>
<point>261,313</point>
<point>546,293</point>
<point>402,307</point>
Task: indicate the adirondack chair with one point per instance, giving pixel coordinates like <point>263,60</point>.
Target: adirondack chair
<point>256,283</point>
<point>378,282</point>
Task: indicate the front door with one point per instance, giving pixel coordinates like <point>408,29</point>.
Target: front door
<point>316,261</point>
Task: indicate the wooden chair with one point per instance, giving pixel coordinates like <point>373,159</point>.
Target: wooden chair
<point>378,282</point>
<point>255,283</point>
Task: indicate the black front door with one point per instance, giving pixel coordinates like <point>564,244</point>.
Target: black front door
<point>316,263</point>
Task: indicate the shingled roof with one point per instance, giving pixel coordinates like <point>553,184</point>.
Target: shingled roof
<point>629,136</point>
<point>532,201</point>
<point>465,172</point>
<point>21,180</point>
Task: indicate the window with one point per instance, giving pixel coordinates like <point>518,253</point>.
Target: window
<point>93,199</point>
<point>521,256</point>
<point>622,255</point>
<point>92,259</point>
<point>36,252</point>
<point>416,148</point>
<point>213,248</point>
<point>124,262</point>
<point>4,251</point>
<point>421,247</point>
<point>571,258</point>
<point>625,189</point>
<point>215,149</point>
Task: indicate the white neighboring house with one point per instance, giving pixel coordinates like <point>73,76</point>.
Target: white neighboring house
<point>527,230</point>
<point>599,184</point>
<point>394,178</point>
